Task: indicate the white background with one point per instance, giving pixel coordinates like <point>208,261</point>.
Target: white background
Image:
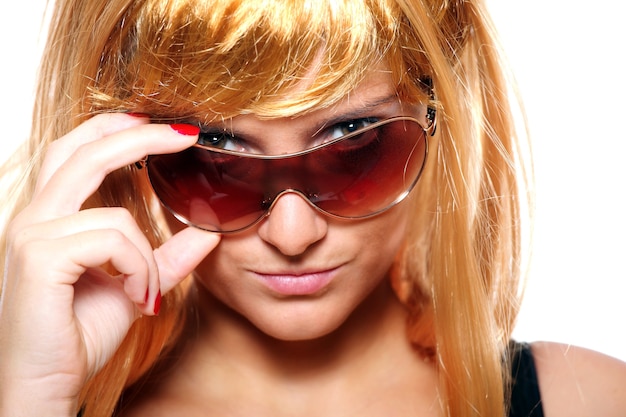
<point>569,60</point>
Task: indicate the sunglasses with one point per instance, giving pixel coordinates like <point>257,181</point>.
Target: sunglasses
<point>355,176</point>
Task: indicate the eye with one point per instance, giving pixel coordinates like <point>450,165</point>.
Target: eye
<point>218,139</point>
<point>351,126</point>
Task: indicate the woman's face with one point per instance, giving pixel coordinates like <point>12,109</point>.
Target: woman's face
<point>299,274</point>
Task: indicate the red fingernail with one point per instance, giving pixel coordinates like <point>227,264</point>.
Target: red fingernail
<point>147,296</point>
<point>157,303</point>
<point>185,129</point>
<point>140,115</point>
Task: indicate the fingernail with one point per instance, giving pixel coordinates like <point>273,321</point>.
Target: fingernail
<point>139,115</point>
<point>157,303</point>
<point>185,129</point>
<point>147,296</point>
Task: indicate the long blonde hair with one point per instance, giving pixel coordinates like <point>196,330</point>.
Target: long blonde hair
<point>459,271</point>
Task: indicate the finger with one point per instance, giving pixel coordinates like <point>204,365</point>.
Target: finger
<point>85,220</point>
<point>84,170</point>
<point>113,218</point>
<point>181,254</point>
<point>93,129</point>
<point>66,259</point>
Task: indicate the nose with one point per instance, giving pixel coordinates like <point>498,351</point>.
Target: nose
<point>293,225</point>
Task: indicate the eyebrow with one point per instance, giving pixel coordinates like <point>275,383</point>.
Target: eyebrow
<point>365,107</point>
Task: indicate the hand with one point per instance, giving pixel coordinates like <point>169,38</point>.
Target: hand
<point>61,315</point>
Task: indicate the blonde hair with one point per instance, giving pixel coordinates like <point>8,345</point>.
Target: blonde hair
<point>459,270</point>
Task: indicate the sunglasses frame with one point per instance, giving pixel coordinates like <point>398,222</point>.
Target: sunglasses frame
<point>427,131</point>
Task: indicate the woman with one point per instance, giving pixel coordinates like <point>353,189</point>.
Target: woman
<point>360,252</point>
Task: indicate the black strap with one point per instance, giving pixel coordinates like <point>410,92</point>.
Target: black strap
<point>525,395</point>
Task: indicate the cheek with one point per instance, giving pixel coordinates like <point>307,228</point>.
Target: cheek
<point>386,233</point>
<point>222,271</point>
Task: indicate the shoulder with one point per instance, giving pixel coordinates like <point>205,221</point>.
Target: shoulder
<point>574,381</point>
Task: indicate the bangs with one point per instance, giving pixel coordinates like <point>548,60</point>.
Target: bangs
<point>217,59</point>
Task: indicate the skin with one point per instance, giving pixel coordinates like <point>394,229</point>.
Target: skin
<point>275,354</point>
<point>62,315</point>
<point>579,382</point>
<point>295,238</point>
<point>340,351</point>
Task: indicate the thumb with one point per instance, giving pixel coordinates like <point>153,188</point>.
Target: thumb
<point>181,254</point>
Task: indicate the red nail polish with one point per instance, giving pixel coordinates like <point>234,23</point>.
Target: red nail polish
<point>147,296</point>
<point>157,303</point>
<point>139,115</point>
<point>185,129</point>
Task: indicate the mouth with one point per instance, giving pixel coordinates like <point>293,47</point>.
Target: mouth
<point>293,284</point>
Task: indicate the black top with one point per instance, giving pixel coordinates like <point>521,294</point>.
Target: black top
<point>525,396</point>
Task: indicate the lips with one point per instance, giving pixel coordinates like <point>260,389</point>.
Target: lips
<point>290,284</point>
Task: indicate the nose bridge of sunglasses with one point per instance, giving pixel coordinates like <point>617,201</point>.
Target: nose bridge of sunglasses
<point>270,203</point>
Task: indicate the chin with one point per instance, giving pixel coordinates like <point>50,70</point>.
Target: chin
<point>299,334</point>
<point>300,324</point>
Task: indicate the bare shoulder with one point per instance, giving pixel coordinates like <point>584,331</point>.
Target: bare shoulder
<point>579,382</point>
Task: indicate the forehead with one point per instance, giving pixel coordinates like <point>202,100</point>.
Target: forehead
<point>376,88</point>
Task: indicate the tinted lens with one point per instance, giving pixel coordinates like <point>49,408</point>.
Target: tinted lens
<point>356,176</point>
